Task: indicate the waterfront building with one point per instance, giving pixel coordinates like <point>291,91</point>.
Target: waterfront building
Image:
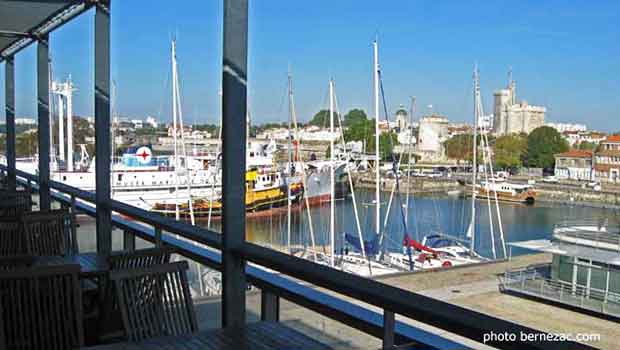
<point>576,137</point>
<point>562,127</point>
<point>137,123</point>
<point>512,117</point>
<point>432,133</point>
<point>25,121</point>
<point>607,159</point>
<point>574,164</point>
<point>584,272</point>
<point>151,122</point>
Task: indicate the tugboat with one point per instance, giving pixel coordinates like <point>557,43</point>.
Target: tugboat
<point>265,192</point>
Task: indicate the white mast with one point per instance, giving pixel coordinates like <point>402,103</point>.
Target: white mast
<point>471,233</point>
<point>61,125</point>
<point>332,204</point>
<point>290,162</point>
<point>69,95</point>
<point>377,174</point>
<point>174,130</point>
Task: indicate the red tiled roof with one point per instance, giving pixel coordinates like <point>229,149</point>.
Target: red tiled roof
<point>576,153</point>
<point>613,138</point>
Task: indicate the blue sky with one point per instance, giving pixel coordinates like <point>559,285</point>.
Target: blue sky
<point>565,55</point>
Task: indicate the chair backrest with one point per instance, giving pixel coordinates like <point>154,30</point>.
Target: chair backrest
<point>49,233</point>
<point>8,263</point>
<point>42,308</point>
<point>14,203</point>
<point>12,239</point>
<point>139,258</point>
<point>155,301</point>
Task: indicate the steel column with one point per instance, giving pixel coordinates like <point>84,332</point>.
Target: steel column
<point>9,93</point>
<point>389,322</point>
<point>234,104</point>
<point>269,306</point>
<point>102,126</point>
<point>43,100</point>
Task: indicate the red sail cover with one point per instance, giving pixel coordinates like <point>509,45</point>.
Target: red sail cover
<point>407,241</point>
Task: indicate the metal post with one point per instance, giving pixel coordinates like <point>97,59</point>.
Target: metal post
<point>234,111</point>
<point>73,221</point>
<point>269,307</point>
<point>158,241</point>
<point>102,126</point>
<point>43,99</point>
<point>129,241</point>
<point>9,91</point>
<point>389,322</point>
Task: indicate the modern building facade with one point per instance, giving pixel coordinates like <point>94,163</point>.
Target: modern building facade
<point>584,271</point>
<point>515,117</point>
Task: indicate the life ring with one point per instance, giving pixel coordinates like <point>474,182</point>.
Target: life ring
<point>446,264</point>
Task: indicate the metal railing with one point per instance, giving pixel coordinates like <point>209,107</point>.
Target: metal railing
<point>291,270</point>
<point>594,233</point>
<point>536,281</point>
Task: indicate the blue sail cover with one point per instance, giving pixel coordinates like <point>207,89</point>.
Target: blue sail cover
<point>370,247</point>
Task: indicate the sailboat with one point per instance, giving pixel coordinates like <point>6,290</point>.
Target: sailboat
<point>440,250</point>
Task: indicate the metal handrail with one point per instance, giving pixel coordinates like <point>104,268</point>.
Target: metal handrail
<point>449,317</point>
<point>517,280</point>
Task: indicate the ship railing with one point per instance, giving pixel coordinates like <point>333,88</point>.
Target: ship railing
<point>363,304</point>
<point>536,281</point>
<point>596,233</point>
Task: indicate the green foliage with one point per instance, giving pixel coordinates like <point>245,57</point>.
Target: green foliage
<point>587,146</point>
<point>355,116</point>
<point>460,147</point>
<point>26,144</point>
<point>361,130</point>
<point>386,147</point>
<point>542,144</point>
<point>510,150</point>
<point>321,119</point>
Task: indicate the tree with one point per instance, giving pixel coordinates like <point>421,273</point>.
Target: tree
<point>26,144</point>
<point>460,147</point>
<point>360,130</point>
<point>542,144</point>
<point>510,150</point>
<point>355,116</point>
<point>321,119</point>
<point>587,146</point>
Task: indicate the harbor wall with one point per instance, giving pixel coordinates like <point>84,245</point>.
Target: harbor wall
<point>579,196</point>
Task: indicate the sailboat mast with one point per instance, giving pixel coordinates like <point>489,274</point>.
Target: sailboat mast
<point>174,129</point>
<point>377,174</point>
<point>290,161</point>
<point>472,227</point>
<point>332,175</point>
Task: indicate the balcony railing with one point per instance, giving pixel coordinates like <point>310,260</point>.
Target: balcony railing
<point>536,282</point>
<point>285,273</point>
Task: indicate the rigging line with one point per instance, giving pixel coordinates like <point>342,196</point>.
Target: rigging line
<point>353,198</point>
<point>395,170</point>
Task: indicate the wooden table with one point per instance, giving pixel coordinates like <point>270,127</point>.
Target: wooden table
<point>91,264</point>
<point>254,336</point>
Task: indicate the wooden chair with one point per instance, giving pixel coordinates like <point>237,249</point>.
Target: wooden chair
<point>8,263</point>
<point>42,308</point>
<point>139,258</point>
<point>13,204</point>
<point>49,233</point>
<point>155,301</point>
<point>12,239</point>
<point>121,261</point>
